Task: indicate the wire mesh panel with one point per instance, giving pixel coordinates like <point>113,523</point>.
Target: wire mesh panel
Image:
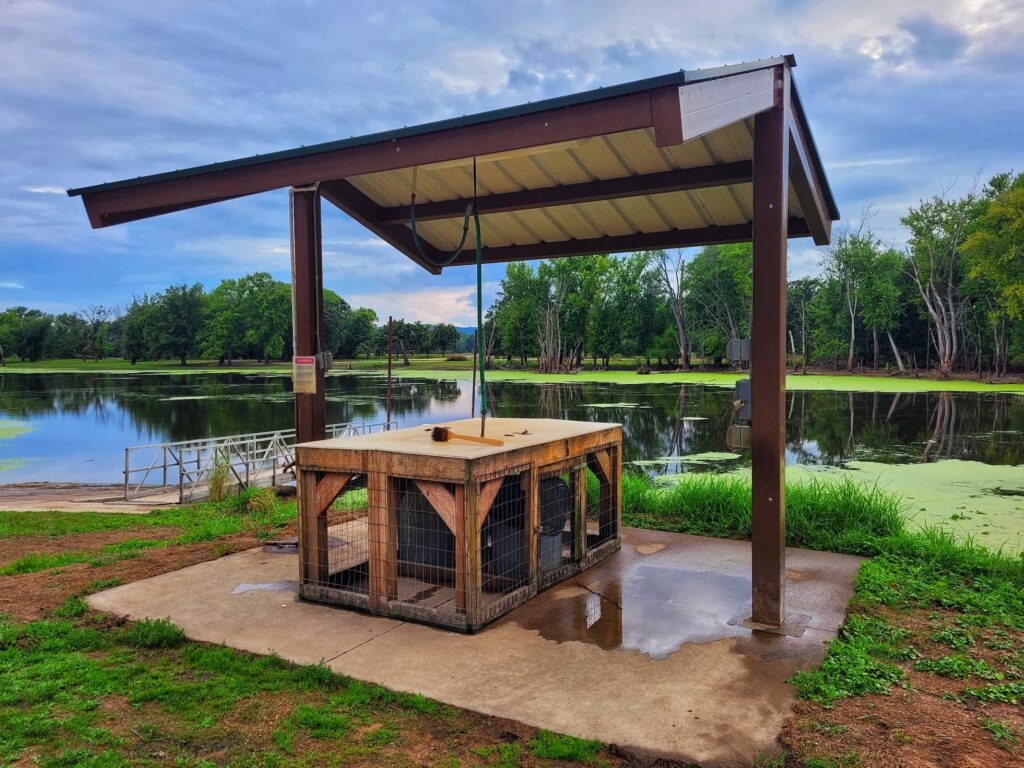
<point>348,545</point>
<point>504,542</point>
<point>430,571</point>
<point>556,531</point>
<point>602,480</point>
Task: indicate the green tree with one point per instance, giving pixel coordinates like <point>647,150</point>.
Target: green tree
<point>336,310</point>
<point>67,337</point>
<point>518,312</point>
<point>266,314</point>
<point>137,329</point>
<point>359,332</point>
<point>719,290</point>
<point>444,337</point>
<point>224,326</point>
<point>177,320</point>
<point>994,253</point>
<point>828,312</point>
<point>882,300</point>
<point>799,295</point>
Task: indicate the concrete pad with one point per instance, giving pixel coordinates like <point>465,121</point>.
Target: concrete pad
<point>637,651</point>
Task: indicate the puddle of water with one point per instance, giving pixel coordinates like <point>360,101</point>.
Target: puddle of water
<point>653,610</point>
<point>271,586</point>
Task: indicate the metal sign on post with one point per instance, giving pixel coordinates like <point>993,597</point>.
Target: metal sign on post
<point>304,375</point>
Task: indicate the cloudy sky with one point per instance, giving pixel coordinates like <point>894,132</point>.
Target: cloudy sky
<point>905,97</point>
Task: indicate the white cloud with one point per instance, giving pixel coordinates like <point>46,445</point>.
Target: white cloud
<point>456,304</point>
<point>44,190</point>
<point>871,162</point>
<point>12,285</point>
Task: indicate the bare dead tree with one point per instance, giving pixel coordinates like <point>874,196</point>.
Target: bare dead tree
<point>933,257</point>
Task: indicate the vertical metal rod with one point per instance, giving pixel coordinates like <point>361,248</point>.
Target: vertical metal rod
<point>387,412</point>
<point>472,390</point>
<point>165,465</point>
<point>768,363</point>
<point>126,466</point>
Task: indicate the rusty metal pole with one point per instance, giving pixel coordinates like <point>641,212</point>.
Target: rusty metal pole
<point>768,358</point>
<point>307,306</point>
<point>387,410</point>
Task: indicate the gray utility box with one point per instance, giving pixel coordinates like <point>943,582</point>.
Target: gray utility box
<point>741,399</point>
<point>738,350</point>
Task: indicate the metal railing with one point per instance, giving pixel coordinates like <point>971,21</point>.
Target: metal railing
<point>187,468</point>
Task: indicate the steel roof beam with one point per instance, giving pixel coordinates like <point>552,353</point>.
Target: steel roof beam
<point>675,238</point>
<point>585,192</point>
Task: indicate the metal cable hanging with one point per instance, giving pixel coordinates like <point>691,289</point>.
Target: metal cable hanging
<point>471,210</point>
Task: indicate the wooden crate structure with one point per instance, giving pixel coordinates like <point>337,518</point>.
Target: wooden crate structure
<point>456,533</point>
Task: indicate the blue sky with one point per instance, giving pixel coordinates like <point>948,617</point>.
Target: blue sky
<point>906,98</point>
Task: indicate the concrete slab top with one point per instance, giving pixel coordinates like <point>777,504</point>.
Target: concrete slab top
<point>637,651</point>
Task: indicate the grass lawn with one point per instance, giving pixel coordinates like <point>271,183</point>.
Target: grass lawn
<point>81,688</point>
<point>436,366</point>
<point>928,669</point>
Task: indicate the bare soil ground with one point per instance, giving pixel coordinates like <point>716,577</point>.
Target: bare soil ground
<point>69,497</point>
<point>923,724</point>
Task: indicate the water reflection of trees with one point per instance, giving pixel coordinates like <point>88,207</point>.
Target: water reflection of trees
<point>658,419</point>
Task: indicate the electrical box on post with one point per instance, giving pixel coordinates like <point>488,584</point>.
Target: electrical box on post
<point>741,400</point>
<point>738,350</point>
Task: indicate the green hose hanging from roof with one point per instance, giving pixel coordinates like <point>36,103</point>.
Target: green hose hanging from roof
<point>470,209</point>
<point>480,316</point>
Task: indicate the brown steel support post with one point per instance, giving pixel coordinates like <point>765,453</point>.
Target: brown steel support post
<point>307,306</point>
<point>768,360</point>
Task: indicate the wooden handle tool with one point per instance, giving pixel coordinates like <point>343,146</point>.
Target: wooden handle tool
<point>443,435</point>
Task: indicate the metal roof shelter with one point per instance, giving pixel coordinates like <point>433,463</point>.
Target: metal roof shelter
<point>691,158</point>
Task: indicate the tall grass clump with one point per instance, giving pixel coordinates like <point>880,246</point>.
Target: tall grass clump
<point>840,516</point>
<point>218,482</point>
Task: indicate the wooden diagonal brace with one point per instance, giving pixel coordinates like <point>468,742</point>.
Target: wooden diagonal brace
<point>328,489</point>
<point>442,500</point>
<point>488,492</point>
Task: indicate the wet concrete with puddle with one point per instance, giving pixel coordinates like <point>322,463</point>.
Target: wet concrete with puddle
<point>645,631</point>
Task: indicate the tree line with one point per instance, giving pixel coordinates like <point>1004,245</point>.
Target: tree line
<point>951,300</point>
<point>245,318</point>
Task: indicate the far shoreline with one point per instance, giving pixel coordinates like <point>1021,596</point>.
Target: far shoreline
<point>438,368</point>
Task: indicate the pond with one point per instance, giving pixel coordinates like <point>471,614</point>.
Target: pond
<point>958,458</point>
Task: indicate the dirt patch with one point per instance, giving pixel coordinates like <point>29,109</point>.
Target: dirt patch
<point>70,497</point>
<point>926,723</point>
<point>31,596</point>
<point>15,548</point>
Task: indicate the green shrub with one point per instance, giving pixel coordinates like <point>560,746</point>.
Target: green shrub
<point>153,633</point>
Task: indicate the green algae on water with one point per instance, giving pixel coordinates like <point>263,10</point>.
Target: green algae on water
<point>11,429</point>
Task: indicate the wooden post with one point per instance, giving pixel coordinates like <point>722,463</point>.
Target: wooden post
<point>307,306</point>
<point>530,485</point>
<point>468,554</point>
<point>579,528</point>
<point>768,358</point>
<point>382,530</point>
